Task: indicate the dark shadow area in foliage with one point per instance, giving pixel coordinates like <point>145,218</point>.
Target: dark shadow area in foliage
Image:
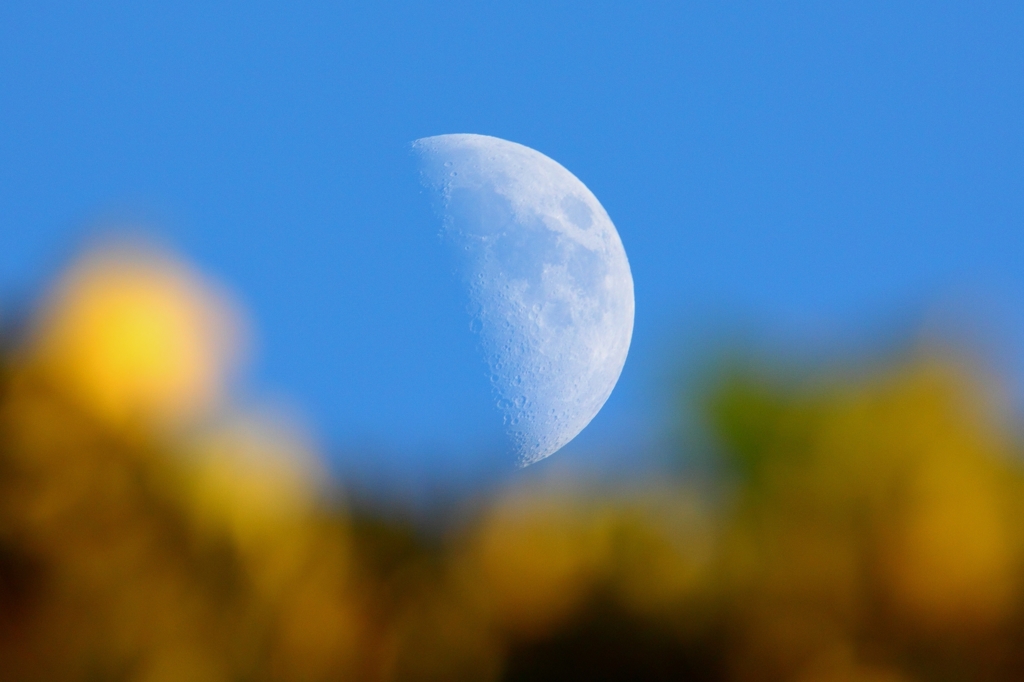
<point>607,644</point>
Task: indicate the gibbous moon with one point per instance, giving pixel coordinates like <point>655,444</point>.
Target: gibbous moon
<point>549,287</point>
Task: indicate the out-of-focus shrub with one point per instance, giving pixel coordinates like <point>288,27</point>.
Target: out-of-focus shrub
<point>127,552</point>
<point>875,515</point>
<point>539,555</point>
<point>865,528</point>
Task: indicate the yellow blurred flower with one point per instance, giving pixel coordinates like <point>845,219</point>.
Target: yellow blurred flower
<point>538,556</point>
<point>952,554</point>
<point>256,482</point>
<point>662,548</point>
<point>137,335</point>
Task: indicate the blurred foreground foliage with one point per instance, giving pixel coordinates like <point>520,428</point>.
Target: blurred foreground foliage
<point>864,527</point>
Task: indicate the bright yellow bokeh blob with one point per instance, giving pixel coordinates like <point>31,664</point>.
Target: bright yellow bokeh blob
<point>137,335</point>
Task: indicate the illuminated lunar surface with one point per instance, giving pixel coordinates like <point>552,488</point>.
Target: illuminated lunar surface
<point>549,287</point>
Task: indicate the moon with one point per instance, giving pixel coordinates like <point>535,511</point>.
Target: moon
<point>550,293</point>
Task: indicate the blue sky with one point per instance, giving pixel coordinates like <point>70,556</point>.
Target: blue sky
<point>815,174</point>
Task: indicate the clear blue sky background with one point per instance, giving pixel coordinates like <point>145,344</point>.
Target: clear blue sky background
<point>813,173</point>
